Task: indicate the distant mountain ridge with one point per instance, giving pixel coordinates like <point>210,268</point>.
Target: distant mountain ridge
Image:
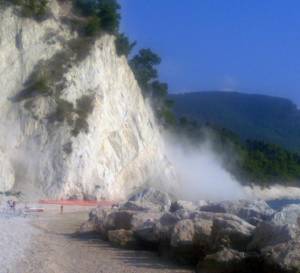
<point>252,116</point>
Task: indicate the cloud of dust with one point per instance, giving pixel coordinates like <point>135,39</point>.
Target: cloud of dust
<point>201,172</point>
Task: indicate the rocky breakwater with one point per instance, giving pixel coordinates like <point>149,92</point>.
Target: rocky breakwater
<point>241,236</point>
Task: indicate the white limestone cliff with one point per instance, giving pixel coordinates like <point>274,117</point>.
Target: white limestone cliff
<point>122,148</point>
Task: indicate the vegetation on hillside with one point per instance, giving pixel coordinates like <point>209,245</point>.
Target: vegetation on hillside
<point>265,118</point>
<point>123,45</point>
<point>144,66</point>
<point>103,15</point>
<point>36,9</point>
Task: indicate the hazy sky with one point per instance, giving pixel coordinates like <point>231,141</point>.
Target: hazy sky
<point>247,45</point>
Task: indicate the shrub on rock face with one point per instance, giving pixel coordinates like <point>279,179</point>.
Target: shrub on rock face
<point>123,45</point>
<point>143,66</point>
<point>84,107</point>
<point>93,26</point>
<point>36,9</point>
<point>107,11</point>
<point>86,7</point>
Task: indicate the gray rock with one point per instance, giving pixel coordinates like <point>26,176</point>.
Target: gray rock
<point>270,234</point>
<point>87,227</point>
<point>138,219</point>
<point>137,206</point>
<point>153,198</point>
<point>225,260</point>
<point>165,225</point>
<point>285,255</point>
<point>183,234</point>
<point>98,217</point>
<point>250,211</point>
<point>119,220</point>
<point>203,232</point>
<point>147,234</point>
<point>288,215</point>
<point>194,214</point>
<point>231,231</point>
<point>182,243</point>
<point>278,244</point>
<point>187,205</point>
<point>255,211</point>
<point>122,238</point>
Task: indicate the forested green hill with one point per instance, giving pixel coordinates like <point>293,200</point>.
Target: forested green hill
<point>255,117</point>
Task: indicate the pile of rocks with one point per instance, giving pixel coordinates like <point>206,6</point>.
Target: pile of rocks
<point>242,236</point>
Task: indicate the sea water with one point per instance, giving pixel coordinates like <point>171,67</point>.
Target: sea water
<point>280,203</point>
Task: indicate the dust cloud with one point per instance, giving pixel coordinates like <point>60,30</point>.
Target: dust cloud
<point>201,172</point>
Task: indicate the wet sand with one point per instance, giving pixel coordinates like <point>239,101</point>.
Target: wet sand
<point>55,249</point>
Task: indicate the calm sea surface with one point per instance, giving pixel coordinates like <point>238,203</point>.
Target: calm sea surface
<point>278,204</point>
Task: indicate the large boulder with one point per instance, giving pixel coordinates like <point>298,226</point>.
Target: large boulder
<point>231,231</point>
<point>163,231</point>
<point>152,199</point>
<point>269,234</point>
<point>203,232</point>
<point>87,227</point>
<point>288,215</point>
<point>279,245</point>
<point>285,255</point>
<point>119,220</point>
<point>225,261</point>
<point>147,235</point>
<point>165,225</point>
<point>97,219</point>
<point>182,241</point>
<point>123,238</point>
<point>183,234</point>
<point>250,211</point>
<point>229,260</point>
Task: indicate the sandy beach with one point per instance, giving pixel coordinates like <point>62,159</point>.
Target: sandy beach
<point>46,243</point>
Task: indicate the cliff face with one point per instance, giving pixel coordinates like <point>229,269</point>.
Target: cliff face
<point>72,117</point>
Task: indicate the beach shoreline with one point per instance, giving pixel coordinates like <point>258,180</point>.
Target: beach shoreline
<point>47,242</point>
